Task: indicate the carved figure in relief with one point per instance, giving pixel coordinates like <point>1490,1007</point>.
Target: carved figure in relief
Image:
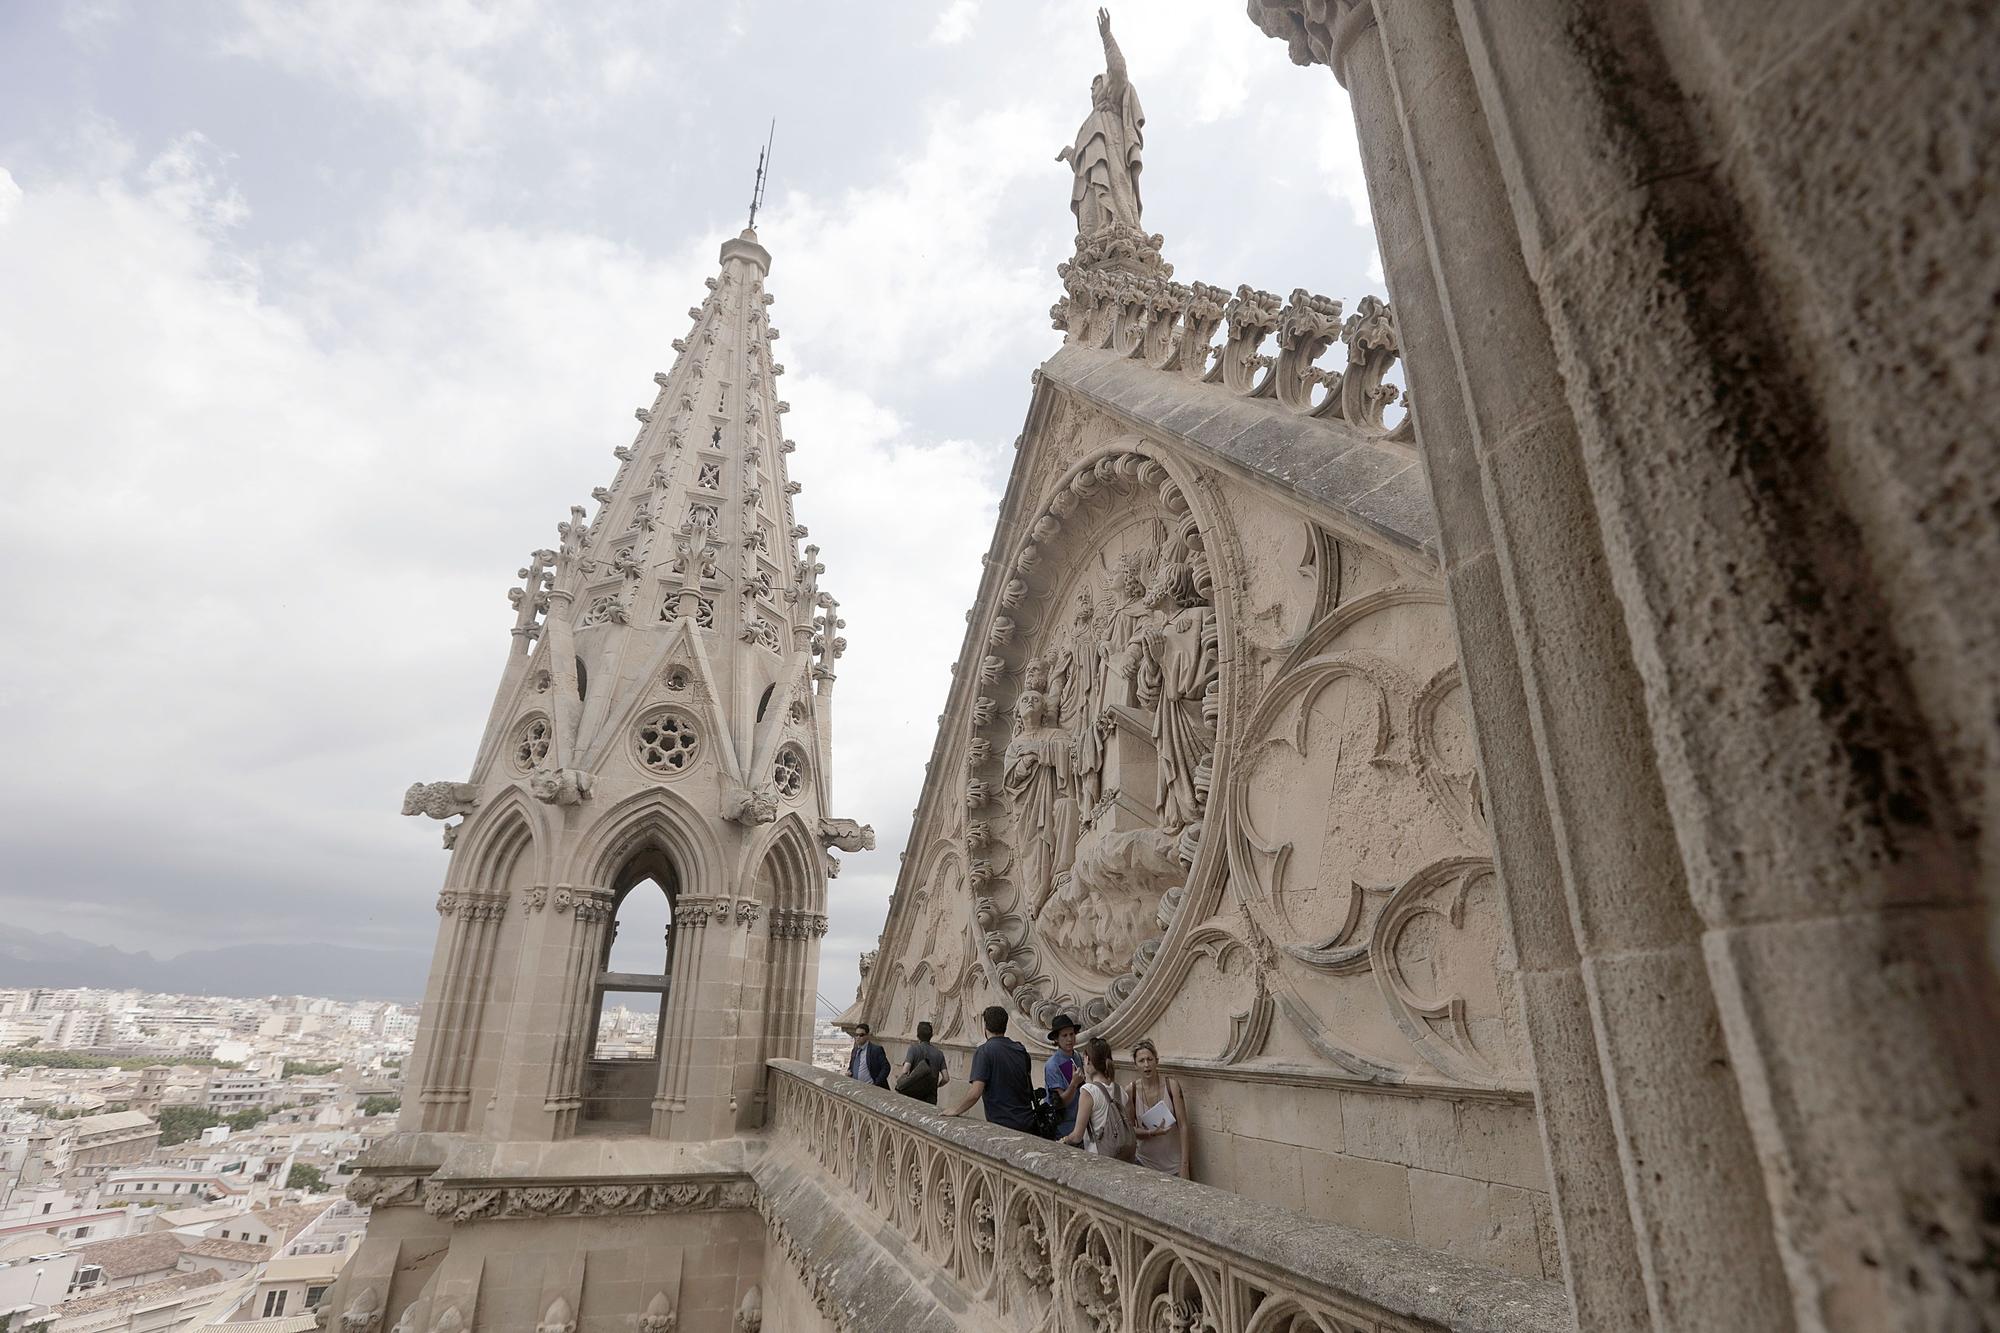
<point>750,807</point>
<point>1106,154</point>
<point>1039,789</point>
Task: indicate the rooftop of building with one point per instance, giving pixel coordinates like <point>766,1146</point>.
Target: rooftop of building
<point>235,1251</point>
<point>111,1122</point>
<point>112,1300</point>
<point>130,1256</point>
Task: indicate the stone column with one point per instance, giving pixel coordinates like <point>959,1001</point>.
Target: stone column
<point>1671,519</point>
<point>1713,210</point>
<point>473,922</point>
<point>568,996</point>
<point>692,1048</point>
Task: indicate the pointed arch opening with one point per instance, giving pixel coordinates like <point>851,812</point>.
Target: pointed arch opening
<point>629,995</point>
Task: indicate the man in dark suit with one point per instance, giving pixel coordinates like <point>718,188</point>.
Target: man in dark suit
<point>868,1062</point>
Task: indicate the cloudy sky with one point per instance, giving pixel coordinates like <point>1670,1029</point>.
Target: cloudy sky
<point>316,317</point>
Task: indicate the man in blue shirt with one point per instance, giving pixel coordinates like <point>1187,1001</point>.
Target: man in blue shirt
<point>1062,1075</point>
<point>867,1062</point>
<point>1000,1077</point>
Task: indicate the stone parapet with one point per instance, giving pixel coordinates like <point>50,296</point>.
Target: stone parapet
<point>1016,1225</point>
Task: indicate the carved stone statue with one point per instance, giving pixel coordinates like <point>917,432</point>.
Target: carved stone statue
<point>440,800</point>
<point>561,786</point>
<point>847,835</point>
<point>750,806</point>
<point>1039,788</point>
<point>1105,156</point>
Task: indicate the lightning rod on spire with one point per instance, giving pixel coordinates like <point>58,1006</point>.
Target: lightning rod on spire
<point>763,160</point>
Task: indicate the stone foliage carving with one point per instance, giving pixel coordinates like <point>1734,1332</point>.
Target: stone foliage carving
<point>1027,1255</point>
<point>364,1313</point>
<point>466,1203</point>
<point>660,1315</point>
<point>441,800</point>
<point>787,924</point>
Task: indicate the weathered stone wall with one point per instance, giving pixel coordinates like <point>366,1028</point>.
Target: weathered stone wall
<point>1698,302</point>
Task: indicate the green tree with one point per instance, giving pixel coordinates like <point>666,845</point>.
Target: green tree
<point>379,1105</point>
<point>308,1178</point>
<point>309,1068</point>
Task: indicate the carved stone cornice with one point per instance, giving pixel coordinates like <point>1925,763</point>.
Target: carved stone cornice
<point>473,1202</point>
<point>791,925</point>
<point>472,906</point>
<point>587,905</point>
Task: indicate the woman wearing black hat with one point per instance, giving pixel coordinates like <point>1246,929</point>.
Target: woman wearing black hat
<point>1062,1075</point>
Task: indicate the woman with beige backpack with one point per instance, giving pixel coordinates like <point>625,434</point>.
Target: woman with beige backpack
<point>1102,1126</point>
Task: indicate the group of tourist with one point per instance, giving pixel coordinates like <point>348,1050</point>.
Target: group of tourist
<point>1080,1101</point>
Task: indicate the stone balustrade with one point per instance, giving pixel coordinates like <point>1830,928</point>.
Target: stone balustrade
<point>1025,1234</point>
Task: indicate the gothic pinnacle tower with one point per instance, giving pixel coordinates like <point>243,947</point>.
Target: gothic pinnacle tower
<point>662,725</point>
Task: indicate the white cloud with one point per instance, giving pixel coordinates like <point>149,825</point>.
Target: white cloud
<point>954,25</point>
<point>270,473</point>
<point>189,180</point>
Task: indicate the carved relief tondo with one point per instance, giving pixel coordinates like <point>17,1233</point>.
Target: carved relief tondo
<point>1094,734</point>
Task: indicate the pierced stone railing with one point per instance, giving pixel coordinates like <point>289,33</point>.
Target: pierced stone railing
<point>1034,1235</point>
<point>1120,295</point>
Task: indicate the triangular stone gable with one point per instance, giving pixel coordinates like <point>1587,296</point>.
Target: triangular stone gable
<point>1287,871</point>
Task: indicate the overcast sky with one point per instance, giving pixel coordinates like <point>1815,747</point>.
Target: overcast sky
<point>315,318</point>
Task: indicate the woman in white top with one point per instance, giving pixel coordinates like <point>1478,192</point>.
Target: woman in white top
<point>1158,1115</point>
<point>1099,1099</point>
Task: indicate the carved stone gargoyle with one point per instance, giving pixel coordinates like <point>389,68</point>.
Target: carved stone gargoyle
<point>440,800</point>
<point>561,786</point>
<point>750,807</point>
<point>847,835</point>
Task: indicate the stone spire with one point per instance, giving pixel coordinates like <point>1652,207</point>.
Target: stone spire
<point>689,573</point>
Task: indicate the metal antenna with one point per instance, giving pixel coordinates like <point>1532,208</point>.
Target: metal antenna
<point>763,159</point>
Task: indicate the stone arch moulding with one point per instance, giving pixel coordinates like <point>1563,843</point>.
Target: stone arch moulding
<point>1105,676</point>
<point>495,838</point>
<point>656,814</point>
<point>790,849</point>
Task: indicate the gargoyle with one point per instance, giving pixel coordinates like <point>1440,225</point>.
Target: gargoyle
<point>750,807</point>
<point>847,835</point>
<point>561,786</point>
<point>440,800</point>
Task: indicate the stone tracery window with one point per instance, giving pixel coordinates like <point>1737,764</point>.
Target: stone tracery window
<point>599,612</point>
<point>666,742</point>
<point>710,478</point>
<point>531,745</point>
<point>704,610</point>
<point>788,774</point>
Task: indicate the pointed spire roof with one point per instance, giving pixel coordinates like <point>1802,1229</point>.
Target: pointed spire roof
<point>697,525</point>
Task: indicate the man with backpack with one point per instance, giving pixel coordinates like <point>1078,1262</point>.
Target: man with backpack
<point>1000,1077</point>
<point>923,1068</point>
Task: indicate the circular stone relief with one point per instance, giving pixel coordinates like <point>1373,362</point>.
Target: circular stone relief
<point>665,742</point>
<point>1094,737</point>
<point>531,745</point>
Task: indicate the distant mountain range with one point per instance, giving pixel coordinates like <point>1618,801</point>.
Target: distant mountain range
<point>336,972</point>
